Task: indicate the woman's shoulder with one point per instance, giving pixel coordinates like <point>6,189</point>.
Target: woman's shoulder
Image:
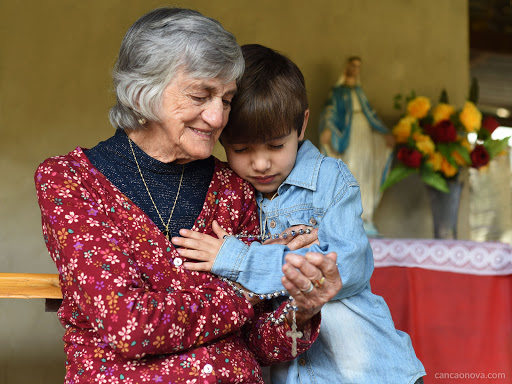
<point>74,165</point>
<point>74,158</point>
<point>228,180</point>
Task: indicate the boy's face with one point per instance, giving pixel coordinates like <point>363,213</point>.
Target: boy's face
<point>265,165</point>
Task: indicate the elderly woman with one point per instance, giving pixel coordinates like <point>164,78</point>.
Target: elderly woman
<point>132,313</point>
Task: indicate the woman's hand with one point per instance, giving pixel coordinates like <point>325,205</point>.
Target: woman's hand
<point>312,280</point>
<point>200,247</point>
<point>306,239</point>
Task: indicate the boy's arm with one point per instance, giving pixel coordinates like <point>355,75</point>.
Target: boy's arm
<point>258,267</point>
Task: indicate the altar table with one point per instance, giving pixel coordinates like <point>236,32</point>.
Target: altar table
<point>454,298</point>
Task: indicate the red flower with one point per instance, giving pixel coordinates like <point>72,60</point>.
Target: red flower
<point>490,124</point>
<point>479,156</point>
<point>410,157</point>
<point>445,132</point>
<point>429,130</point>
<point>442,132</point>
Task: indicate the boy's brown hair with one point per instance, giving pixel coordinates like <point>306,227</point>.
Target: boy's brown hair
<point>271,99</point>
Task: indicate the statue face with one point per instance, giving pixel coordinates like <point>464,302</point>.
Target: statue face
<point>353,68</point>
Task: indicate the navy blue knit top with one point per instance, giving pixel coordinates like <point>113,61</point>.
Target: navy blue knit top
<point>114,159</point>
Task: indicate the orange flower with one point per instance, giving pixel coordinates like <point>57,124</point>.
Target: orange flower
<point>122,346</point>
<point>159,341</point>
<point>418,107</point>
<point>470,117</point>
<point>442,112</point>
<point>98,352</point>
<point>424,143</point>
<point>402,130</point>
<point>182,316</point>
<point>447,169</point>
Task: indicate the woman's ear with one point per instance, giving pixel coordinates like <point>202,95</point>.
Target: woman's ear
<point>304,125</point>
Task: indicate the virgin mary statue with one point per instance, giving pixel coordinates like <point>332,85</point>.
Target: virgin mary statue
<point>351,131</point>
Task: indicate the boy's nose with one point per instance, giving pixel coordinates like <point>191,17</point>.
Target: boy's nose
<point>260,164</point>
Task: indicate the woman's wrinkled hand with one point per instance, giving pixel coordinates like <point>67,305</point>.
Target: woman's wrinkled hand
<point>312,280</point>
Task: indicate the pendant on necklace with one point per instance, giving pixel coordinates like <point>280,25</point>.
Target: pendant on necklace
<point>167,234</point>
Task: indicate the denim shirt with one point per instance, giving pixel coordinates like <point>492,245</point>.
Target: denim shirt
<point>358,342</point>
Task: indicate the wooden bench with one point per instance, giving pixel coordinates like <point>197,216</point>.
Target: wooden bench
<point>32,286</point>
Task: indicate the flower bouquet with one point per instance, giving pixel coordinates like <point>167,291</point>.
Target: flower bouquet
<point>433,140</point>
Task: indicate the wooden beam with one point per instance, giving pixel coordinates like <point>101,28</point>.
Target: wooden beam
<point>29,286</point>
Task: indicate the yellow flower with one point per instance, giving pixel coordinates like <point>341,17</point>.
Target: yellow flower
<point>442,111</point>
<point>470,117</point>
<point>424,143</point>
<point>402,130</point>
<point>418,107</point>
<point>435,160</point>
<point>448,169</point>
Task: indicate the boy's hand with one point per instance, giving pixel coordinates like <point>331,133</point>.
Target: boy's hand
<point>299,240</point>
<point>199,246</point>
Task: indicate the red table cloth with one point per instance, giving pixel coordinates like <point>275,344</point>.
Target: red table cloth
<point>454,298</point>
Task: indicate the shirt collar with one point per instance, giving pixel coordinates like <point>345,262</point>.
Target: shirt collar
<point>306,174</point>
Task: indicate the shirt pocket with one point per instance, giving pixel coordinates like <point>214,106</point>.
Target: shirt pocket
<point>303,217</point>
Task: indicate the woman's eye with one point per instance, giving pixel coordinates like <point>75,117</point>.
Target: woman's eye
<point>199,99</point>
<point>226,103</point>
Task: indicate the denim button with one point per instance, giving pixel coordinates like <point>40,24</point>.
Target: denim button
<point>302,362</point>
<point>272,224</point>
<point>312,221</point>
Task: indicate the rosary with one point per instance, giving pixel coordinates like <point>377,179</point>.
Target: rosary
<point>294,334</point>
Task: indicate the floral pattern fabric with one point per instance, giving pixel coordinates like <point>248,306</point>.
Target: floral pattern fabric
<point>132,313</point>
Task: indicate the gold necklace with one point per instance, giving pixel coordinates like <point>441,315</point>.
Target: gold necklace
<point>167,232</point>
<point>263,227</point>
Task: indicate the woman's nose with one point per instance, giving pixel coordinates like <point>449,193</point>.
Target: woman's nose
<point>213,114</point>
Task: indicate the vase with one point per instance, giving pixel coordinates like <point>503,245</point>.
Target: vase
<point>445,209</point>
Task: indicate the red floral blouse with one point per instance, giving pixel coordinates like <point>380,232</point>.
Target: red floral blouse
<point>132,313</point>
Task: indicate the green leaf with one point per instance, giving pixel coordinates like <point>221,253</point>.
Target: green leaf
<point>474,91</point>
<point>397,101</point>
<point>464,153</point>
<point>410,96</point>
<point>494,147</point>
<point>445,149</point>
<point>397,174</point>
<point>443,98</point>
<point>435,180</point>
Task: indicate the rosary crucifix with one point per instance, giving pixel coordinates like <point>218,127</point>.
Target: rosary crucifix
<point>294,334</point>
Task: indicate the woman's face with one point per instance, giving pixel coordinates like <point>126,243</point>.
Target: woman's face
<point>193,114</point>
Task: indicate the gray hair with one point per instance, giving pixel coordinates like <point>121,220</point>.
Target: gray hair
<point>157,46</point>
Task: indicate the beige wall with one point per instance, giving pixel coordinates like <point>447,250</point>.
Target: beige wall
<point>55,63</point>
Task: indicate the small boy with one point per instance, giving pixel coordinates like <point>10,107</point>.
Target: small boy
<point>297,185</point>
